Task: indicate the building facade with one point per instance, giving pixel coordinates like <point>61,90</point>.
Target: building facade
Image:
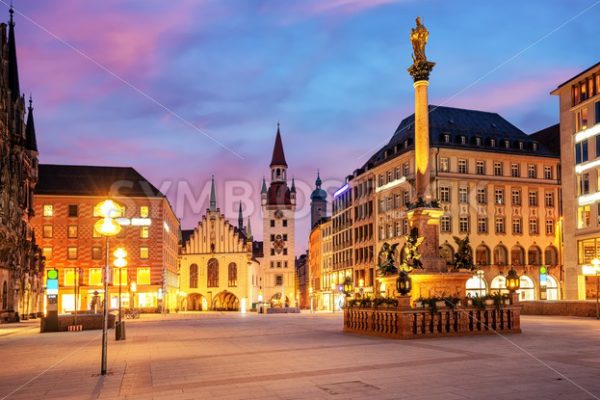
<point>494,183</point>
<point>21,262</point>
<point>64,223</point>
<point>217,268</point>
<point>579,105</point>
<point>278,211</point>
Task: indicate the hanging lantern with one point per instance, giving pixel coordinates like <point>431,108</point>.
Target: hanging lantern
<point>513,281</point>
<point>403,283</point>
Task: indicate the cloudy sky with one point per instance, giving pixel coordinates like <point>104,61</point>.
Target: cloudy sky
<point>183,89</point>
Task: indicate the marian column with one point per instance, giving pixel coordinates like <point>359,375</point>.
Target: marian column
<point>425,213</point>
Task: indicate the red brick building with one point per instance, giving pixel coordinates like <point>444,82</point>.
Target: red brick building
<point>64,223</point>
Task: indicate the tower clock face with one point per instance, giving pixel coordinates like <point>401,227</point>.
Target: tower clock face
<point>278,214</point>
<point>278,244</point>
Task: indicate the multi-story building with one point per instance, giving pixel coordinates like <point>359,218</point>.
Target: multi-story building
<point>21,263</point>
<point>579,104</point>
<point>217,270</point>
<point>342,239</point>
<point>495,184</point>
<point>279,217</point>
<point>64,223</point>
<point>302,281</point>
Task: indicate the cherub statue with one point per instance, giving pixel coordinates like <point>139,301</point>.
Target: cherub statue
<point>386,259</point>
<point>411,258</point>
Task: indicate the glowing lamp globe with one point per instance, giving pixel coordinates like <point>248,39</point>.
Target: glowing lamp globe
<point>403,283</point>
<point>107,227</point>
<point>513,281</point>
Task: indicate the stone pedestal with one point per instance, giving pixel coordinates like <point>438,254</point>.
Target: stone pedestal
<point>429,284</point>
<point>427,221</point>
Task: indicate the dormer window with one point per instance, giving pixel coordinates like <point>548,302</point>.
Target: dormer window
<point>506,144</point>
<point>520,145</point>
<point>406,144</point>
<point>534,146</point>
<point>446,138</point>
<point>463,140</point>
<point>492,142</point>
<point>478,141</point>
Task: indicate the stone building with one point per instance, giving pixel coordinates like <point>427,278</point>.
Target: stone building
<point>496,184</point>
<point>217,268</point>
<point>64,225</point>
<point>21,263</point>
<point>278,211</point>
<point>579,105</point>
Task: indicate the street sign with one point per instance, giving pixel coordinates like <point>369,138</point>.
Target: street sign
<point>52,282</point>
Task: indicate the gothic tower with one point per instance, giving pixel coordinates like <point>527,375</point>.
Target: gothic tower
<point>278,208</point>
<point>318,203</point>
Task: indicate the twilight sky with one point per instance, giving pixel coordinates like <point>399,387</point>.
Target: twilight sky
<point>125,82</point>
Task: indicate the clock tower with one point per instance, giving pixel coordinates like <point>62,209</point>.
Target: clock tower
<point>278,202</point>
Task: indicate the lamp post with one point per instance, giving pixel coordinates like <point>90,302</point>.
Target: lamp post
<point>106,227</point>
<point>120,262</point>
<point>513,282</point>
<point>403,283</point>
<point>596,264</point>
<point>132,289</point>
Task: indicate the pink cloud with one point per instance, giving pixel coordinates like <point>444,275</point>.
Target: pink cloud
<point>346,6</point>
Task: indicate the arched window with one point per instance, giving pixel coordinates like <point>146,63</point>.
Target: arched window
<point>4,295</point>
<point>498,285</point>
<point>482,255</point>
<point>517,255</point>
<point>193,276</point>
<point>534,255</point>
<point>552,292</point>
<point>476,286</point>
<point>447,253</point>
<point>551,255</point>
<point>232,274</point>
<point>527,290</point>
<point>212,273</point>
<point>500,255</point>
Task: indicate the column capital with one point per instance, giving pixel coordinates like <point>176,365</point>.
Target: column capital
<point>420,70</point>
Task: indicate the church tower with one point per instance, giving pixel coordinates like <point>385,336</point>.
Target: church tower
<point>278,202</point>
<point>318,203</point>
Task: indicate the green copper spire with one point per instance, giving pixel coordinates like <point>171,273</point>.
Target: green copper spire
<point>213,196</point>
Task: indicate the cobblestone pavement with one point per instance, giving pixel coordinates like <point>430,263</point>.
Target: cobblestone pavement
<point>306,356</point>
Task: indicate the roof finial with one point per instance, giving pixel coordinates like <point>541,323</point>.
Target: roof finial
<point>30,102</point>
<point>213,197</point>
<point>11,10</point>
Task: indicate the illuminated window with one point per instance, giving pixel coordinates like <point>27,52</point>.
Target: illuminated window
<point>96,253</point>
<point>47,231</point>
<point>482,196</point>
<point>72,231</point>
<point>123,273</point>
<point>444,164</point>
<point>583,217</point>
<point>95,276</point>
<point>499,194</point>
<point>515,170</point>
<point>144,232</point>
<point>581,119</point>
<point>143,276</point>
<point>583,184</point>
<point>531,171</point>
<point>72,253</point>
<point>144,211</point>
<point>498,168</point>
<point>69,276</point>
<point>445,223</point>
<point>48,210</point>
<point>47,253</point>
<point>480,167</point>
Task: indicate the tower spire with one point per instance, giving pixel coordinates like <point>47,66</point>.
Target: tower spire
<point>263,190</point>
<point>278,158</point>
<point>213,196</point>
<point>13,70</point>
<point>249,230</point>
<point>240,218</point>
<point>30,139</point>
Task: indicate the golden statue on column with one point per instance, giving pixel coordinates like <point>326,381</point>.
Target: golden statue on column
<point>421,67</point>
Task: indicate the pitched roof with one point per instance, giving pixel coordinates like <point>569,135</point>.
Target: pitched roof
<point>278,158</point>
<point>83,180</point>
<point>549,137</point>
<point>576,76</point>
<point>185,235</point>
<point>279,194</point>
<point>476,128</point>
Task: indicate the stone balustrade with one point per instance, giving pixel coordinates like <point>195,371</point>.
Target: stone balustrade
<point>405,322</point>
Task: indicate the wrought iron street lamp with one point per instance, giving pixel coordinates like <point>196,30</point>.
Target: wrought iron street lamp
<point>108,210</point>
<point>403,283</point>
<point>513,281</point>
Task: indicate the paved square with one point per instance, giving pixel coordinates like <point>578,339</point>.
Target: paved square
<point>233,356</point>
